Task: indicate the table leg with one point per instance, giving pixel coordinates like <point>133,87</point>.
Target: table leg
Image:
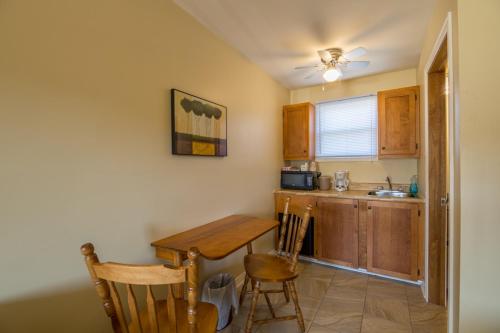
<point>176,260</point>
<point>178,288</point>
<point>250,251</point>
<point>249,248</point>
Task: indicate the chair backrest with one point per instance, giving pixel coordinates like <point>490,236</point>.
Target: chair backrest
<point>293,230</point>
<point>106,275</point>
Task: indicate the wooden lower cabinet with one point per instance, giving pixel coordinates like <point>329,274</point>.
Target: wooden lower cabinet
<point>383,237</point>
<point>337,231</point>
<point>392,239</point>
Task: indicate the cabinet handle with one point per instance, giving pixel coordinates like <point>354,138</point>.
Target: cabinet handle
<point>369,207</point>
<point>383,148</point>
<point>355,206</point>
<point>305,151</point>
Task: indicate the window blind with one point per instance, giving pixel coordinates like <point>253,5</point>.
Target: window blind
<point>347,128</point>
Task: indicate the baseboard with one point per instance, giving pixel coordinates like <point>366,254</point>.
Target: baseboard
<point>358,270</point>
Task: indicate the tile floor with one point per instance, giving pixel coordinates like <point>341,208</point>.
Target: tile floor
<point>335,300</point>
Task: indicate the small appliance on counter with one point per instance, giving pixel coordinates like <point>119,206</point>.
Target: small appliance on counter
<point>325,183</point>
<point>341,180</point>
<point>299,180</point>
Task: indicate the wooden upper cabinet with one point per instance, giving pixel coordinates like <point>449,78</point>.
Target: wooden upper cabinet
<point>392,239</point>
<point>298,132</point>
<point>398,118</point>
<point>337,231</point>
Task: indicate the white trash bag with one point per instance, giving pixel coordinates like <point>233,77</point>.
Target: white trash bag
<point>220,290</point>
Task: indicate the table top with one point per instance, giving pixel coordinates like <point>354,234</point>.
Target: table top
<point>217,239</point>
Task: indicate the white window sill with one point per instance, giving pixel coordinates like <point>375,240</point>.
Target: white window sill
<point>347,159</point>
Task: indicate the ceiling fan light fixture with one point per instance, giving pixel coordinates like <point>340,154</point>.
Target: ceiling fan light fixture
<point>332,74</point>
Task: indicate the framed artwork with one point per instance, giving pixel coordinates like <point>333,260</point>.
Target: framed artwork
<point>199,127</point>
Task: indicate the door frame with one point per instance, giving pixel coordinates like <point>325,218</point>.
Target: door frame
<point>453,155</point>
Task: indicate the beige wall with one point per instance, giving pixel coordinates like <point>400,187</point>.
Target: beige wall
<point>479,28</point>
<point>85,147</point>
<point>400,170</point>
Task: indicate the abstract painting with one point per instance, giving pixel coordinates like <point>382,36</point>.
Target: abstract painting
<point>198,126</point>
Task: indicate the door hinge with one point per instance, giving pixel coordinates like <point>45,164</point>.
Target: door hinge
<point>419,212</point>
<point>418,271</point>
<point>416,145</point>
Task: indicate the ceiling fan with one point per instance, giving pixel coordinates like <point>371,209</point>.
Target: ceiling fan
<point>334,61</point>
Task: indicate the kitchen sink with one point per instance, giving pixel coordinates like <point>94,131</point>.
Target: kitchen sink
<point>388,193</point>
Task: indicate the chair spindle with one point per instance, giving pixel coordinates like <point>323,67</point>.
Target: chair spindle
<point>118,305</point>
<point>151,303</point>
<point>132,306</point>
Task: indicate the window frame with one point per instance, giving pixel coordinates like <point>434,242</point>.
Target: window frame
<point>367,158</point>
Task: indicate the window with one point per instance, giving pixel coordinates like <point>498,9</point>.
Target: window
<point>347,128</point>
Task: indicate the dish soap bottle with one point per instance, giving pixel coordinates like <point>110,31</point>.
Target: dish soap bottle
<point>414,186</point>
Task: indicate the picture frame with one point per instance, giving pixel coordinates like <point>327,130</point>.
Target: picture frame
<point>199,126</point>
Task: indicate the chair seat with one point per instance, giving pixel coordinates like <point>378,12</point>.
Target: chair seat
<point>206,316</point>
<point>268,268</point>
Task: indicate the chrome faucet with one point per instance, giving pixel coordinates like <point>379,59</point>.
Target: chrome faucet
<point>388,179</point>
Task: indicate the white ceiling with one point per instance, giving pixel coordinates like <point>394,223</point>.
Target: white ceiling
<point>279,35</point>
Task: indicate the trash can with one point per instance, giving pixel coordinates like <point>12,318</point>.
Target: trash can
<point>220,290</point>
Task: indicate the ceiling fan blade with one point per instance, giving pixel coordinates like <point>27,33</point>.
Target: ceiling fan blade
<point>325,55</point>
<point>313,74</point>
<point>305,67</point>
<point>355,53</point>
<point>356,64</point>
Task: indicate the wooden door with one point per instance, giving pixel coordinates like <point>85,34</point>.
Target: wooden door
<point>398,124</point>
<point>392,239</point>
<point>298,132</point>
<point>438,181</point>
<point>337,231</point>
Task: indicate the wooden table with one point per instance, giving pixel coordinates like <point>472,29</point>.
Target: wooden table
<point>214,240</point>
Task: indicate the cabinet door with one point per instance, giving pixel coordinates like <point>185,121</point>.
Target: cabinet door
<point>337,231</point>
<point>298,131</point>
<point>392,239</point>
<point>398,112</point>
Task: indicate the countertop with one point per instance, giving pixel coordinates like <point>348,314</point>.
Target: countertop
<point>351,194</point>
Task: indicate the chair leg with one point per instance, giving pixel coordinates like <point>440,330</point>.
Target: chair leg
<point>251,314</point>
<point>244,290</point>
<point>269,305</point>
<point>285,291</point>
<point>295,299</point>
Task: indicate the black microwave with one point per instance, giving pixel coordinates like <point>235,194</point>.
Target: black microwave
<point>300,180</point>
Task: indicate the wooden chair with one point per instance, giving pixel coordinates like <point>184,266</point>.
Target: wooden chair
<point>261,268</point>
<point>158,316</point>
